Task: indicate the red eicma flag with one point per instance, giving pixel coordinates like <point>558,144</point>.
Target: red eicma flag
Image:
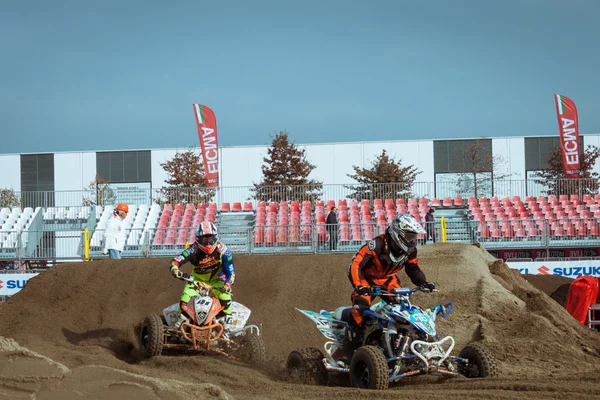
<point>569,134</point>
<point>207,131</point>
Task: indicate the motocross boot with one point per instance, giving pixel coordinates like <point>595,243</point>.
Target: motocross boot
<point>181,320</point>
<point>350,343</point>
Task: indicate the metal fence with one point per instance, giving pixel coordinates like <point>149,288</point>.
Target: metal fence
<point>483,187</point>
<point>70,245</point>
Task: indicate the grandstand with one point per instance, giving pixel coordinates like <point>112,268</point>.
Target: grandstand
<point>58,233</point>
<point>52,218</point>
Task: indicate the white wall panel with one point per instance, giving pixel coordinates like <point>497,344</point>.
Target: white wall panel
<point>10,172</point>
<point>345,156</point>
<point>323,157</point>
<point>158,173</point>
<point>510,156</point>
<point>417,153</point>
<point>241,166</point>
<point>74,171</point>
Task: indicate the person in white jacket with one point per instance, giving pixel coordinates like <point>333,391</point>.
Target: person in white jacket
<point>114,235</point>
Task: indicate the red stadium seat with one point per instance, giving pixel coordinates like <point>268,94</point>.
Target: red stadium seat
<point>282,234</point>
<point>532,232</point>
<point>237,206</point>
<point>294,233</point>
<point>447,202</point>
<point>270,235</point>
<point>356,232</point>
<point>368,231</point>
<point>247,206</point>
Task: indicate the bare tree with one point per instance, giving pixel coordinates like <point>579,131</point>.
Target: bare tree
<point>99,193</point>
<point>479,168</point>
<point>9,198</point>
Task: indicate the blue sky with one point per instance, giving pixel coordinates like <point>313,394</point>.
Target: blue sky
<point>83,75</point>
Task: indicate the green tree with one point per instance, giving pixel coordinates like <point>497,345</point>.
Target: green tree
<point>186,179</point>
<point>285,173</point>
<point>385,178</point>
<point>557,183</point>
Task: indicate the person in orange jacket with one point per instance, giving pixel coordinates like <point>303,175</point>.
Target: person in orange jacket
<point>379,260</point>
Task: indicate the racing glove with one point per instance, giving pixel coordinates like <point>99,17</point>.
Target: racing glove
<point>362,290</point>
<point>176,272</point>
<point>227,287</point>
<point>430,286</point>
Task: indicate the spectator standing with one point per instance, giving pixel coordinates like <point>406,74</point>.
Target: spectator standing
<point>332,228</point>
<point>430,225</point>
<point>114,236</point>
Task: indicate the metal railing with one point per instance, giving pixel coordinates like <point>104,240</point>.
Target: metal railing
<point>49,246</point>
<point>499,188</point>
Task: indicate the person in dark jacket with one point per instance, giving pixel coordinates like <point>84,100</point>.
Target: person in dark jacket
<point>430,225</point>
<point>332,228</point>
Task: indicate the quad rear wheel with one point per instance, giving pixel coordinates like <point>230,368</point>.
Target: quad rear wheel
<point>252,349</point>
<point>306,365</point>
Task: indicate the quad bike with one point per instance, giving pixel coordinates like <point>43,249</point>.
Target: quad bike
<point>201,330</point>
<point>399,340</point>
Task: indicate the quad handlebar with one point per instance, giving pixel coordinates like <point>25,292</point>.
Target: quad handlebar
<point>377,291</point>
<point>202,287</point>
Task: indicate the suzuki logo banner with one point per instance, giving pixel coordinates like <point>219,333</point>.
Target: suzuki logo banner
<point>12,283</point>
<point>569,269</point>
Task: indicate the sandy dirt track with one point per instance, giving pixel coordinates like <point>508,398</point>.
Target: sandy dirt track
<point>70,333</point>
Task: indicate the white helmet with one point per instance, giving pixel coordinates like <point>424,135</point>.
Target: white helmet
<point>206,236</point>
<point>402,234</point>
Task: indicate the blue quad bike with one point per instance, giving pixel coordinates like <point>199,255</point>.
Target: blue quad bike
<point>398,341</point>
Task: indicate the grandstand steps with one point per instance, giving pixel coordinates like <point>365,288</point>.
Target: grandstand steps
<point>234,230</point>
<point>458,226</point>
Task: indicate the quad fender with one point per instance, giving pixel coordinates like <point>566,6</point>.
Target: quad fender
<point>331,328</point>
<point>239,316</point>
<point>170,314</point>
<point>442,309</point>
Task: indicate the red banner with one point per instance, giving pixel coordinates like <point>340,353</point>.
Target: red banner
<point>569,134</point>
<point>207,131</point>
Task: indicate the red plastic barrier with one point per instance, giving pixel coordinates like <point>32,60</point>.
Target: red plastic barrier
<point>583,292</point>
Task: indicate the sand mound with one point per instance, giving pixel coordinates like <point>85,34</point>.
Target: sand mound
<point>24,373</point>
<point>83,317</point>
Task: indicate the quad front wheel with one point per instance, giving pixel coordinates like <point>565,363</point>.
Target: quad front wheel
<point>152,336</point>
<point>369,369</point>
<point>481,363</point>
